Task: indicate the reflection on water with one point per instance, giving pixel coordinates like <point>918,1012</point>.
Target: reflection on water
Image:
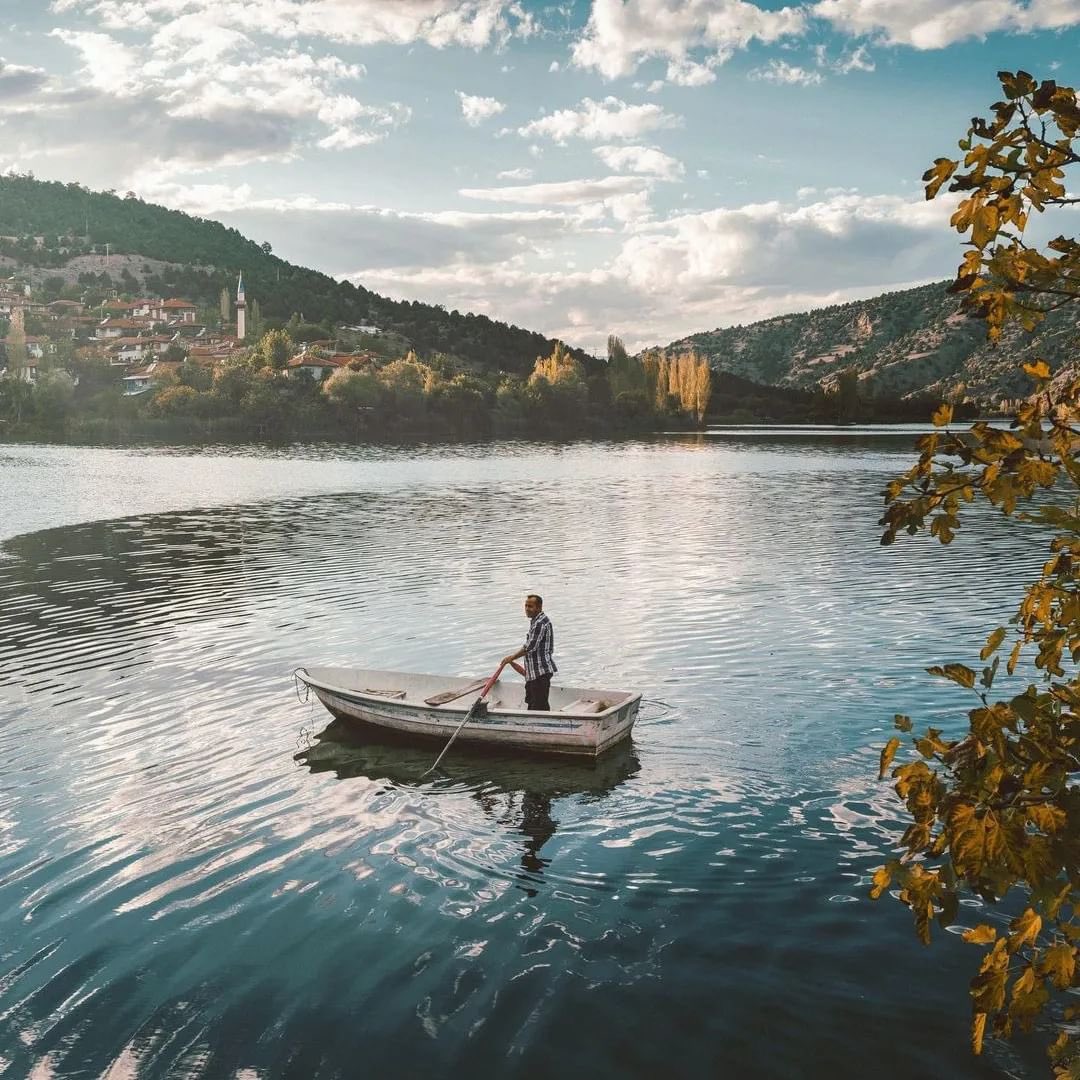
<point>516,793</point>
<point>186,891</point>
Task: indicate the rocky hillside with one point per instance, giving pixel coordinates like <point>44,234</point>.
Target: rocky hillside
<point>903,344</point>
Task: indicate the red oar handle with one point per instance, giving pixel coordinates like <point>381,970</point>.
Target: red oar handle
<point>490,683</point>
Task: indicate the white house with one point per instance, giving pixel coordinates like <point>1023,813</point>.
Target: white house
<point>27,373</point>
<point>36,347</point>
<point>176,310</point>
<point>138,382</point>
<point>115,328</point>
<point>129,350</point>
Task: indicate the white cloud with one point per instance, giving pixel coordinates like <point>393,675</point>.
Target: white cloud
<point>857,60</point>
<point>18,80</point>
<point>108,65</point>
<point>685,72</point>
<point>515,174</point>
<point>477,109</point>
<point>936,24</point>
<point>561,193</point>
<point>553,66</point>
<point>646,160</point>
<point>848,238</point>
<point>595,120</point>
<point>692,271</point>
<point>205,95</point>
<point>622,33</point>
<point>779,71</point>
<point>440,23</point>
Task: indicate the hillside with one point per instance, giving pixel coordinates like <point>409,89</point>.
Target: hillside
<point>904,344</point>
<point>54,229</point>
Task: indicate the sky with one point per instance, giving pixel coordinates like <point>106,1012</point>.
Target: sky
<point>649,168</point>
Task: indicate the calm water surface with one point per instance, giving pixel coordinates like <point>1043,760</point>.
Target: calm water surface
<point>179,896</point>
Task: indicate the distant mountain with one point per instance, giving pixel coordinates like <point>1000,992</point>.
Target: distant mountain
<point>51,228</point>
<point>903,344</point>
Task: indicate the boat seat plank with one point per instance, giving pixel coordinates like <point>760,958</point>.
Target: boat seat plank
<point>385,693</point>
<point>585,705</point>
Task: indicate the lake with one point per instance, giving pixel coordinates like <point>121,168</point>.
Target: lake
<point>179,896</point>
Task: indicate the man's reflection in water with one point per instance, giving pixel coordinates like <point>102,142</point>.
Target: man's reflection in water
<point>532,816</point>
<point>538,826</point>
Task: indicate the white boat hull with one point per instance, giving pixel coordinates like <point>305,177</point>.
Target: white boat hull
<point>394,701</point>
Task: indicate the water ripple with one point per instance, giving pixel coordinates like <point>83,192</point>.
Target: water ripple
<point>200,876</point>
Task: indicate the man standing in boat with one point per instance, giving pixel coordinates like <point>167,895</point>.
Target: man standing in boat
<point>538,650</point>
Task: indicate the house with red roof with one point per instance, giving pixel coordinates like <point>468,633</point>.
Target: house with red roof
<point>318,367</point>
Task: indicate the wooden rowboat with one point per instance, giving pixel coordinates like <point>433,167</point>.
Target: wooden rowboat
<point>583,722</point>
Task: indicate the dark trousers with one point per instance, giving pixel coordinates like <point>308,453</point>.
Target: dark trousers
<point>536,693</point>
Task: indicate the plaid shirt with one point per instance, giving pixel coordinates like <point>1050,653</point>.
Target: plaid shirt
<point>539,648</point>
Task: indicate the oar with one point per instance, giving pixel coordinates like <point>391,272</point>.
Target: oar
<point>474,710</point>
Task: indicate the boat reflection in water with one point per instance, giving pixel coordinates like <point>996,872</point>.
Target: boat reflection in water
<point>517,792</point>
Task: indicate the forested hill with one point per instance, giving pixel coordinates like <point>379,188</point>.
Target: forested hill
<point>904,344</point>
<point>69,221</point>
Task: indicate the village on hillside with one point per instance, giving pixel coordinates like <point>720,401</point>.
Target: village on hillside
<point>83,360</point>
<point>148,338</point>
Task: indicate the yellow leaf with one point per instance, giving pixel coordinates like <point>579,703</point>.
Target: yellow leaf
<point>978,1030</point>
<point>882,878</point>
<point>887,754</point>
<point>956,672</point>
<point>942,169</point>
<point>1025,929</point>
<point>942,415</point>
<point>1048,819</point>
<point>901,722</point>
<point>1014,656</point>
<point>1025,983</point>
<point>1059,963</point>
<point>992,643</point>
<point>981,935</point>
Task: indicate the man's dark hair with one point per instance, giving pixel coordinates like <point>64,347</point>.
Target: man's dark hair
<point>534,596</point>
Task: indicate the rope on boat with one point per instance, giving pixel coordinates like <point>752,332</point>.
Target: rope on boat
<point>297,681</point>
<point>304,738</point>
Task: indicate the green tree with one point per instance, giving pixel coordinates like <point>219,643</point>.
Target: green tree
<point>997,811</point>
<point>625,373</point>
<point>254,319</point>
<point>195,375</point>
<point>175,401</point>
<point>54,396</point>
<point>274,350</point>
<point>354,391</point>
<point>406,381</point>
